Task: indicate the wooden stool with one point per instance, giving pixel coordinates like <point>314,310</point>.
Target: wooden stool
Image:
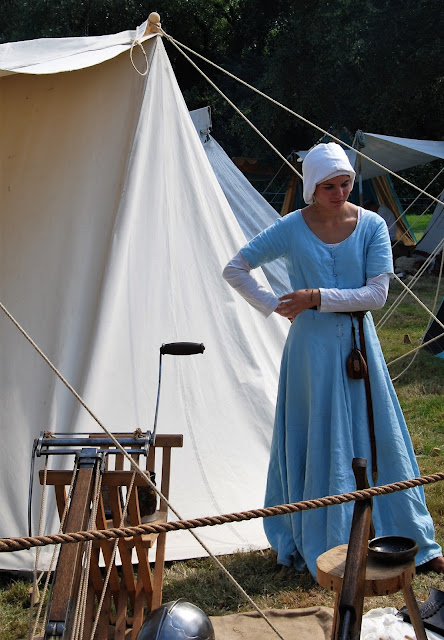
<point>380,580</point>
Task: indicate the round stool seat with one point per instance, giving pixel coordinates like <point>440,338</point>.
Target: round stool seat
<point>381,578</point>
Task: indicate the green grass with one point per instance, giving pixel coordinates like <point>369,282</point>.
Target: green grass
<point>418,224</point>
<point>14,608</point>
<point>420,392</point>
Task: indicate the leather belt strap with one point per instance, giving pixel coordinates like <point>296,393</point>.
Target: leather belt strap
<point>368,394</point>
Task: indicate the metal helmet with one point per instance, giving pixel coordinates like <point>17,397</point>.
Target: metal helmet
<point>177,620</point>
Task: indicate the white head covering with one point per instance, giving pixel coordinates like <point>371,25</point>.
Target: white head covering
<point>323,162</point>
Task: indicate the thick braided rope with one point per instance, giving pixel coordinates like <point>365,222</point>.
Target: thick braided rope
<point>27,542</point>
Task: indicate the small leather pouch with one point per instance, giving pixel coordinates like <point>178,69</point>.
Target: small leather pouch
<point>356,365</point>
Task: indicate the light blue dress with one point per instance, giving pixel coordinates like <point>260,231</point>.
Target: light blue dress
<point>321,419</point>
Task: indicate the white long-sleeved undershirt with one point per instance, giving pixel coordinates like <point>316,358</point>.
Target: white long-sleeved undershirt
<point>372,295</point>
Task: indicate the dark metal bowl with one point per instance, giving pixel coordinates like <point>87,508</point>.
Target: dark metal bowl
<point>392,549</point>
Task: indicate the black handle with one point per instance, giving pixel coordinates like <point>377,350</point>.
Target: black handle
<point>182,348</point>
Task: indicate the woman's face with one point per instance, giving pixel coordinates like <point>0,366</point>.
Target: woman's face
<point>333,193</point>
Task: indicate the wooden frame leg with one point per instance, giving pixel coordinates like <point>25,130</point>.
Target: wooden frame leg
<point>122,613</point>
<point>415,616</point>
<point>335,616</point>
<point>159,567</point>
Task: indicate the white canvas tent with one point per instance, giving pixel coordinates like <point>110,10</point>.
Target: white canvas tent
<point>114,232</point>
<point>397,153</point>
<point>392,152</point>
<point>252,211</point>
<point>434,233</point>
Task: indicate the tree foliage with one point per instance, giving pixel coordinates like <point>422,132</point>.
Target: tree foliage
<point>374,65</point>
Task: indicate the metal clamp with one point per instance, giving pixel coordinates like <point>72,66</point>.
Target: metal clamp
<point>54,629</point>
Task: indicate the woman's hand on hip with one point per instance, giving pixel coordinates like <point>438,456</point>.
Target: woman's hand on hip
<point>291,304</point>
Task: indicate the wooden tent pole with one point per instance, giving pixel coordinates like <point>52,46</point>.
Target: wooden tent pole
<point>153,25</point>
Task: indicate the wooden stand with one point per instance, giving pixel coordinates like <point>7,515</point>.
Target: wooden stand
<point>128,591</point>
<point>380,580</point>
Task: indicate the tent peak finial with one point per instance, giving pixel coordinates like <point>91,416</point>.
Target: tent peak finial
<point>153,25</point>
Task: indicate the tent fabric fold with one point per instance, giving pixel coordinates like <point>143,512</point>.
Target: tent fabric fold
<point>252,211</point>
<point>434,233</point>
<point>56,55</point>
<point>115,231</point>
<point>385,194</point>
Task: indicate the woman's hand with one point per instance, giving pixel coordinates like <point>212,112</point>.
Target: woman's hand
<point>291,304</point>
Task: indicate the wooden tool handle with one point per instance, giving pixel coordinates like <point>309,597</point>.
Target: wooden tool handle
<point>351,600</point>
<point>359,466</point>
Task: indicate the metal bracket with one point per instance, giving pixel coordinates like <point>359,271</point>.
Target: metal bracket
<point>88,457</point>
<point>86,449</point>
<point>54,630</point>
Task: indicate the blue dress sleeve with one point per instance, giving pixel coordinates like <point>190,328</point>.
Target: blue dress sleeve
<point>379,258</point>
<point>268,245</point>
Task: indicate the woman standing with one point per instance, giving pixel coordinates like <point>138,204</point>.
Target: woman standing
<point>338,258</point>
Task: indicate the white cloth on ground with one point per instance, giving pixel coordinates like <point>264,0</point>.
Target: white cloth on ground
<point>384,623</point>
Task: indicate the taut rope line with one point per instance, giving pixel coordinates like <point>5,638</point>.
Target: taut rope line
<point>424,344</point>
<point>431,314</point>
<point>178,45</point>
<point>27,542</point>
<point>408,289</point>
<point>415,350</point>
<point>173,42</point>
<point>412,227</point>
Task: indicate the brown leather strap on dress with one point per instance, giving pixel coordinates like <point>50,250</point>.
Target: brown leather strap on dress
<point>368,394</point>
